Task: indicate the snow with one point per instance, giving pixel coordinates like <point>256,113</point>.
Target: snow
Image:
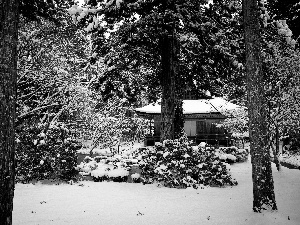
<point>115,203</point>
<point>231,157</point>
<point>213,105</point>
<point>223,157</point>
<point>95,151</point>
<point>108,151</point>
<point>202,144</point>
<point>135,176</point>
<point>120,172</point>
<point>166,154</point>
<point>291,159</point>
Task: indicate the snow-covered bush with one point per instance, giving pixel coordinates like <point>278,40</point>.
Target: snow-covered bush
<point>136,177</point>
<point>104,172</point>
<point>104,167</point>
<point>178,164</point>
<point>175,163</point>
<point>45,153</point>
<point>232,154</point>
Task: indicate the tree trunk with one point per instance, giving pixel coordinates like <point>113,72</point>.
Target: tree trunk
<point>8,72</point>
<point>263,185</point>
<point>171,102</point>
<point>277,152</point>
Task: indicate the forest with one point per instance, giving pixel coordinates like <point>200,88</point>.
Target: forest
<point>73,73</point>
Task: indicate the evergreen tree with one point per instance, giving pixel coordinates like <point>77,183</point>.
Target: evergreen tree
<point>263,185</point>
<point>205,51</point>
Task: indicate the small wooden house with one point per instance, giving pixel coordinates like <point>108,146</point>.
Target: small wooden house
<point>201,117</point>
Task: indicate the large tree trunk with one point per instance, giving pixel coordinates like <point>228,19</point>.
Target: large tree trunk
<point>171,101</point>
<point>8,72</point>
<point>263,185</point>
<point>276,151</point>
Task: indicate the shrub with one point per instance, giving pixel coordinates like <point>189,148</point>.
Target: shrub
<point>45,154</point>
<point>178,164</point>
<point>233,154</point>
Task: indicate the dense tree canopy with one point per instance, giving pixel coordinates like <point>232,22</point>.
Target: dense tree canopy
<point>50,69</point>
<point>37,9</point>
<point>181,44</point>
<point>209,42</point>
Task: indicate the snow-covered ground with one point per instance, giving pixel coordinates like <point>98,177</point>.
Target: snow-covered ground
<point>113,203</point>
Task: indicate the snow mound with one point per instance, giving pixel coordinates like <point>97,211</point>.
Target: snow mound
<point>231,157</point>
<point>120,172</point>
<point>100,172</point>
<point>202,145</point>
<point>222,157</point>
<point>135,176</point>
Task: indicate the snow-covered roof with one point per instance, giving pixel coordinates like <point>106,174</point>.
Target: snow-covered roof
<point>214,105</point>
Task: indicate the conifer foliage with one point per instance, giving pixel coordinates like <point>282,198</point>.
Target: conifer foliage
<point>205,46</point>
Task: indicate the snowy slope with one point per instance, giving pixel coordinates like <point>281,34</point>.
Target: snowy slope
<point>131,203</point>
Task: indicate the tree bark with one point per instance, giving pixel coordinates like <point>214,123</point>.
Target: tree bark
<point>263,185</point>
<point>276,153</point>
<point>171,102</point>
<point>8,71</point>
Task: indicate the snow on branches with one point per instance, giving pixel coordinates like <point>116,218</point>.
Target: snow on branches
<point>281,25</point>
<point>284,30</point>
<point>264,16</point>
<point>236,122</point>
<point>78,13</point>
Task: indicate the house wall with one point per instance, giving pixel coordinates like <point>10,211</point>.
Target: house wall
<point>208,126</point>
<point>194,126</point>
<point>202,126</point>
<point>190,127</point>
<point>199,128</point>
